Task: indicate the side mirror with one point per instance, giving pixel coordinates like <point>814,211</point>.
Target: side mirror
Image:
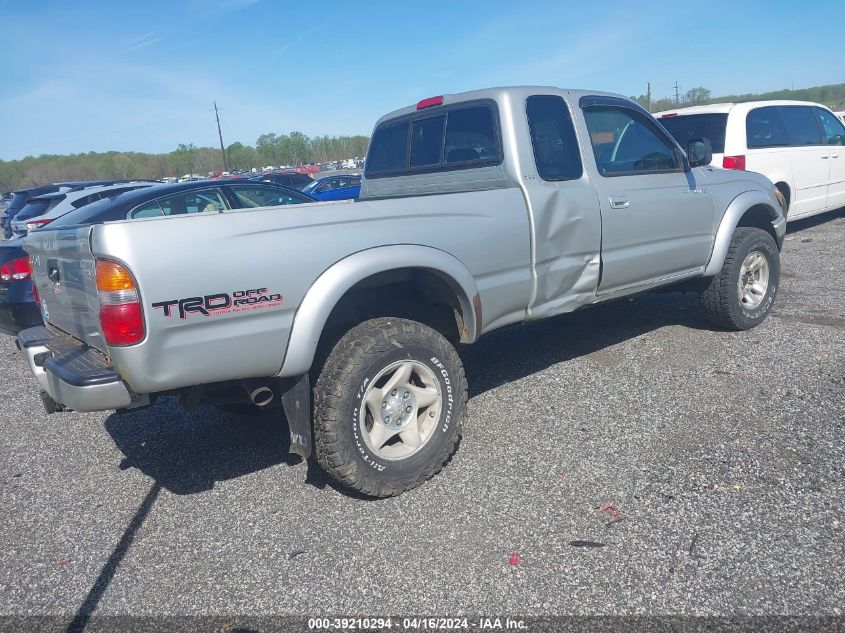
<point>699,152</point>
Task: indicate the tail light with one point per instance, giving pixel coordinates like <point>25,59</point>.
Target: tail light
<point>734,162</point>
<point>121,316</point>
<point>36,224</point>
<point>15,269</point>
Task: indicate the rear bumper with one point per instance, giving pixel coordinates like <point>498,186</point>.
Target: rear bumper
<point>15,317</point>
<point>73,374</point>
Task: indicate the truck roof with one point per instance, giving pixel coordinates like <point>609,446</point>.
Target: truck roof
<point>499,94</point>
<point>722,108</point>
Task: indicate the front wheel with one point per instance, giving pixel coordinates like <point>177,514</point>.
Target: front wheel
<point>741,295</point>
<point>388,406</point>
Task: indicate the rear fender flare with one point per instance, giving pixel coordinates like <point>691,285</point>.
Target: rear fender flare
<point>334,282</point>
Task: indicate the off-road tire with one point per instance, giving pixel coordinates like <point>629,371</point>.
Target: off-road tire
<point>720,300</point>
<point>352,363</point>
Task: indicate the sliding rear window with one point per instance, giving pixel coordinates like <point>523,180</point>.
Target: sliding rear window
<point>459,137</point>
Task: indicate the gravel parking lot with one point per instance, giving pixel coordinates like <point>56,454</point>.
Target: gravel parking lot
<point>627,458</point>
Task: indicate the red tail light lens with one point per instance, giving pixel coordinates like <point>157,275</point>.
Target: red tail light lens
<point>36,224</point>
<point>734,162</point>
<point>122,323</point>
<point>121,316</point>
<point>16,269</point>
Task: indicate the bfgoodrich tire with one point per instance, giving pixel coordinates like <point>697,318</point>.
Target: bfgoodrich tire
<point>743,293</point>
<point>389,405</point>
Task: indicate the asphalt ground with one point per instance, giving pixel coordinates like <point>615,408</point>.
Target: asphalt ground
<point>626,459</point>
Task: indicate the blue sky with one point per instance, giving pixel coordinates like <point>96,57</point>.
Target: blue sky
<point>93,76</point>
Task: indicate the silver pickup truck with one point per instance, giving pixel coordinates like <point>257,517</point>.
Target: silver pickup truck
<point>477,210</point>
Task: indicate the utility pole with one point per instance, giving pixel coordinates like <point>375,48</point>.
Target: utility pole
<point>677,93</point>
<point>648,97</point>
<point>220,134</point>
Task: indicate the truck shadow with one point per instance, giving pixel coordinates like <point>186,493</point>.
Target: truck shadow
<point>522,350</point>
<point>187,453</point>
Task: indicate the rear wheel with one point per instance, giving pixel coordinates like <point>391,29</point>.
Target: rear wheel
<point>742,294</point>
<point>388,406</point>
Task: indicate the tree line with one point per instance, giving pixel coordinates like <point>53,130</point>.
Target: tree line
<point>830,95</point>
<point>187,158</point>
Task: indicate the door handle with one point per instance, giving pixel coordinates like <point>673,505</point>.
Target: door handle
<point>619,202</point>
<point>825,156</point>
<point>834,155</point>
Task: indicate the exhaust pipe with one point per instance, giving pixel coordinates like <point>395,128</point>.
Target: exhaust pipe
<point>261,396</point>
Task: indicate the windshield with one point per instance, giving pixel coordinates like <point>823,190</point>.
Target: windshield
<point>689,126</point>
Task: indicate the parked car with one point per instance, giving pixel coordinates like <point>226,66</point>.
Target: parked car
<point>345,187</point>
<point>43,209</point>
<point>208,196</point>
<point>460,229</point>
<point>18,310</point>
<point>288,179</point>
<point>795,144</point>
<point>20,198</point>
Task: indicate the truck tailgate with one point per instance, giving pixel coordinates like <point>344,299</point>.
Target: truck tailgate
<point>63,272</point>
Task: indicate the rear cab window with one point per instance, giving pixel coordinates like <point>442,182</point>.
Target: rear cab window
<point>685,127</point>
<point>556,152</point>
<point>458,136</point>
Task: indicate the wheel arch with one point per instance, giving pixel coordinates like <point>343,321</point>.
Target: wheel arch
<point>350,273</point>
<point>753,209</point>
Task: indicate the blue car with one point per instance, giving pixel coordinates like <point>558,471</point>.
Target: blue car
<point>18,310</point>
<point>344,187</point>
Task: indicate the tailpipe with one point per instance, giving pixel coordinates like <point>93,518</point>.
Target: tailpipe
<point>260,396</point>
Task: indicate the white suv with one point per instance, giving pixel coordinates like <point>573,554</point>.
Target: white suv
<point>799,146</point>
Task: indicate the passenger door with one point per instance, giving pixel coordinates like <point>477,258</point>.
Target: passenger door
<point>810,160</point>
<point>834,138</point>
<point>657,218</point>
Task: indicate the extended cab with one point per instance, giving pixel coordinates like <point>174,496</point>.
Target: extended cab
<point>477,210</point>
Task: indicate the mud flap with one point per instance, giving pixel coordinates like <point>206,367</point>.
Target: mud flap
<point>297,405</point>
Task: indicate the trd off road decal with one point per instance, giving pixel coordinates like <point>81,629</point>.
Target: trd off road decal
<point>221,303</point>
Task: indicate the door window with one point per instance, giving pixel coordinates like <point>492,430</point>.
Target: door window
<point>204,201</point>
<point>625,142</point>
<point>251,196</point>
<point>553,138</point>
<point>834,131</point>
<point>764,128</point>
<point>801,125</point>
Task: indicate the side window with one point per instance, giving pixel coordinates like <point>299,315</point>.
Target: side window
<point>764,128</point>
<point>625,142</point>
<point>250,196</point>
<point>204,201</point>
<point>427,141</point>
<point>389,148</point>
<point>553,138</point>
<point>801,125</point>
<point>834,131</point>
<point>148,210</point>
<point>470,135</point>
